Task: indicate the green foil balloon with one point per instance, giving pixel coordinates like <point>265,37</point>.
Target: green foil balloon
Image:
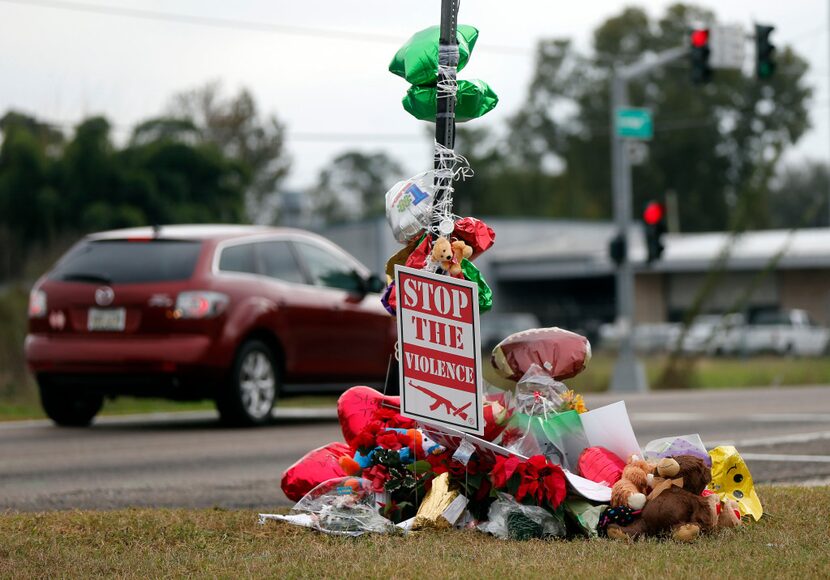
<point>473,99</point>
<point>417,60</point>
<point>485,295</point>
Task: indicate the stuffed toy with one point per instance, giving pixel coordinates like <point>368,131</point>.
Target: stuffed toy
<point>675,506</point>
<point>631,489</point>
<point>449,255</point>
<point>442,252</point>
<point>420,446</point>
<point>727,510</point>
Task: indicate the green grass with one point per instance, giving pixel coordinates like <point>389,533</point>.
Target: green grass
<point>712,373</point>
<point>30,409</point>
<point>140,543</point>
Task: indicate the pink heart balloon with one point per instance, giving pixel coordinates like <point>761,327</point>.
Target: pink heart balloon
<point>356,408</point>
<point>314,468</point>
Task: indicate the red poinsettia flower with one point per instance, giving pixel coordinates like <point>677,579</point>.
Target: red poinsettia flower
<point>535,480</point>
<point>503,470</point>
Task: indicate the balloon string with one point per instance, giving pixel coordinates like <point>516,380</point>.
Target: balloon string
<point>449,167</point>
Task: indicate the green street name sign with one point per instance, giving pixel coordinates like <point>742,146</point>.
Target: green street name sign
<point>634,124</point>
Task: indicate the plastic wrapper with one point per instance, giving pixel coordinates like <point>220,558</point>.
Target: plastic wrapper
<point>344,506</point>
<point>585,515</point>
<point>314,468</point>
<point>476,234</point>
<point>356,407</point>
<point>563,354</point>
<point>680,445</point>
<point>474,99</point>
<point>731,480</point>
<point>510,520</point>
<point>417,59</point>
<point>539,426</point>
<point>409,206</point>
<point>538,394</point>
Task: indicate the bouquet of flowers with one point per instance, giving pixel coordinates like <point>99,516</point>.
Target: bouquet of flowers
<point>534,481</point>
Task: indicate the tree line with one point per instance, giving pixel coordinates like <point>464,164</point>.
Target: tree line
<point>215,158</point>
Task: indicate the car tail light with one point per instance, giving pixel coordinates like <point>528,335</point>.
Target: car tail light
<point>37,304</point>
<point>200,304</point>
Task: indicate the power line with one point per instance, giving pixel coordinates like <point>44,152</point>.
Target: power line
<point>235,24</point>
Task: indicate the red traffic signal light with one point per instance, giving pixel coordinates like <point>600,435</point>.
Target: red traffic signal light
<point>700,38</point>
<point>699,55</point>
<point>654,213</point>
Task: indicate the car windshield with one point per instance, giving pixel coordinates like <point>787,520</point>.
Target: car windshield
<point>125,262</point>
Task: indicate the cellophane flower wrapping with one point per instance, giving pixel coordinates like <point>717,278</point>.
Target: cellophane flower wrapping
<point>345,505</point>
<point>509,520</point>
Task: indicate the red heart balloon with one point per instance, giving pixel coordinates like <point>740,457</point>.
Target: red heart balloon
<point>600,465</point>
<point>314,468</point>
<point>356,408</point>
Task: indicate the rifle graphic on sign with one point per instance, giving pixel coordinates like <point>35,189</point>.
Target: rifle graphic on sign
<point>443,401</point>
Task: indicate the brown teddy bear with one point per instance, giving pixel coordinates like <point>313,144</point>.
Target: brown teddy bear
<point>676,505</point>
<point>450,254</point>
<point>631,489</point>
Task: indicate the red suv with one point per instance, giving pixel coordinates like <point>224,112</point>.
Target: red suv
<point>239,314</point>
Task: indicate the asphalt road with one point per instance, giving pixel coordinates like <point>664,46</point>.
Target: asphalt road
<point>189,460</point>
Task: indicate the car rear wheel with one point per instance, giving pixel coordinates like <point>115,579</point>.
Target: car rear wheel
<point>253,386</point>
<point>68,408</point>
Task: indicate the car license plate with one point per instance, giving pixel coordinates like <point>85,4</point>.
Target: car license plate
<point>107,319</point>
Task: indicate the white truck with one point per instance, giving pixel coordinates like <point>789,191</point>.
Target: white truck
<point>790,332</point>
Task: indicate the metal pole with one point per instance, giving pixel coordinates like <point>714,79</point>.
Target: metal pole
<point>629,374</point>
<point>628,371</point>
<point>445,102</point>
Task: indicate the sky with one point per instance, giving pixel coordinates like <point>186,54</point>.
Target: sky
<point>62,63</point>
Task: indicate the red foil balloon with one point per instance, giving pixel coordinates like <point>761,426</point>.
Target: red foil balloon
<point>475,234</point>
<point>314,468</point>
<point>356,408</point>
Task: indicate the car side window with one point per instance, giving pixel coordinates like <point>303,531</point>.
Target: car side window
<point>278,262</point>
<point>329,269</point>
<point>239,258</point>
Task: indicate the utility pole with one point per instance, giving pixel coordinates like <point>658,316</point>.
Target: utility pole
<point>629,374</point>
<point>445,102</point>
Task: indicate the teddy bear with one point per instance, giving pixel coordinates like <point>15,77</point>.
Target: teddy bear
<point>675,505</point>
<point>631,489</point>
<point>449,254</point>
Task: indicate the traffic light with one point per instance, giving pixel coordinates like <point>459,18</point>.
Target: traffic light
<point>764,51</point>
<point>699,53</point>
<point>654,217</point>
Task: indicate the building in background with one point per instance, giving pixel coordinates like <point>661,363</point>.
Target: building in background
<point>560,270</point>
